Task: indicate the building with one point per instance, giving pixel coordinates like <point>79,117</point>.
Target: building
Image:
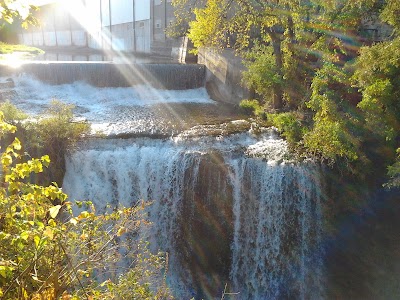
<point>122,25</point>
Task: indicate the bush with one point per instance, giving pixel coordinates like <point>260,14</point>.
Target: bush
<point>53,134</point>
<point>252,106</point>
<point>11,113</point>
<point>48,252</point>
<point>289,125</point>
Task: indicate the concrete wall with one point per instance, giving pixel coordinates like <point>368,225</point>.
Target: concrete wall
<point>223,75</point>
<point>55,38</point>
<point>106,74</point>
<point>163,15</point>
<point>57,28</point>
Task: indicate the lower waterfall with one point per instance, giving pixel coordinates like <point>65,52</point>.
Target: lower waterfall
<point>228,210</point>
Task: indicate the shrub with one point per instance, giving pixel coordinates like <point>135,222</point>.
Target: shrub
<point>48,252</point>
<point>53,134</point>
<point>252,106</point>
<point>289,125</point>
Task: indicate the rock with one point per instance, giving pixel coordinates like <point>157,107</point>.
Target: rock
<point>7,95</point>
<point>7,83</point>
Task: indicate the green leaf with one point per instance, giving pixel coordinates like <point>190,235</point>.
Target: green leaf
<point>54,211</point>
<point>5,270</point>
<point>25,235</point>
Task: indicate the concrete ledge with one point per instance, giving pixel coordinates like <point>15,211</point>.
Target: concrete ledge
<point>108,74</point>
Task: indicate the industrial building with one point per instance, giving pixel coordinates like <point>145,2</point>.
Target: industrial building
<point>121,25</point>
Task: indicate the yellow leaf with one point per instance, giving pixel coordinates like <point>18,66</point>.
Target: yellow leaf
<point>83,215</point>
<point>25,235</point>
<point>36,239</point>
<point>121,231</point>
<point>6,160</point>
<point>16,144</point>
<point>49,232</point>
<point>73,221</point>
<point>52,223</point>
<point>54,211</point>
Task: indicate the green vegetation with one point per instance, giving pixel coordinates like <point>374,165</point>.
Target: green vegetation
<point>23,51</point>
<point>16,10</point>
<point>252,107</point>
<point>13,14</point>
<point>53,134</point>
<point>51,248</point>
<point>48,251</point>
<point>331,91</point>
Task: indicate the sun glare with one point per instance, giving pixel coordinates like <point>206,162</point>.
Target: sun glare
<point>83,14</point>
<point>13,60</point>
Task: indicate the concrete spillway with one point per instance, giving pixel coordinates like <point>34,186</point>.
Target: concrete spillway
<point>108,74</point>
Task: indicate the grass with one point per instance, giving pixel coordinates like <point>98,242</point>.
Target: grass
<point>20,51</point>
<point>9,48</point>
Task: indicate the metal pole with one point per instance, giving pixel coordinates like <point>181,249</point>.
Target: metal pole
<point>70,28</point>
<point>134,26</point>
<point>151,22</point>
<point>109,11</point>
<point>54,23</point>
<point>165,19</point>
<point>101,26</point>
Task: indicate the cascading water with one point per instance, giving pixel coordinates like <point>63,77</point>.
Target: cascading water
<point>228,208</point>
<point>102,74</point>
<point>277,232</point>
<point>223,214</point>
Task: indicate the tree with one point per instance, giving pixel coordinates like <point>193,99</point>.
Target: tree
<point>16,9</point>
<point>304,57</point>
<point>275,37</point>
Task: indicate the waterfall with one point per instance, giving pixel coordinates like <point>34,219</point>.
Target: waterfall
<point>108,74</point>
<point>224,214</point>
<point>277,231</point>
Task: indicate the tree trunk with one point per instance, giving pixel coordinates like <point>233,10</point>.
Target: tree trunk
<point>278,92</point>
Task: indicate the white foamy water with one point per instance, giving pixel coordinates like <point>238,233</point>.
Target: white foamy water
<point>109,110</point>
<point>275,207</point>
<point>276,250</point>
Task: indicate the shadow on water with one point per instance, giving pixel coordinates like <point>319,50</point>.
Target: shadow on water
<point>364,258</point>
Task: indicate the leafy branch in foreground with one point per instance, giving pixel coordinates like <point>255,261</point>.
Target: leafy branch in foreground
<point>48,251</point>
<point>11,10</point>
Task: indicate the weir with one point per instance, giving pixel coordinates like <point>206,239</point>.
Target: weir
<point>109,74</point>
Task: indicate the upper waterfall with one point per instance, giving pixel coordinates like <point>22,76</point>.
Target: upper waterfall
<point>108,74</point>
